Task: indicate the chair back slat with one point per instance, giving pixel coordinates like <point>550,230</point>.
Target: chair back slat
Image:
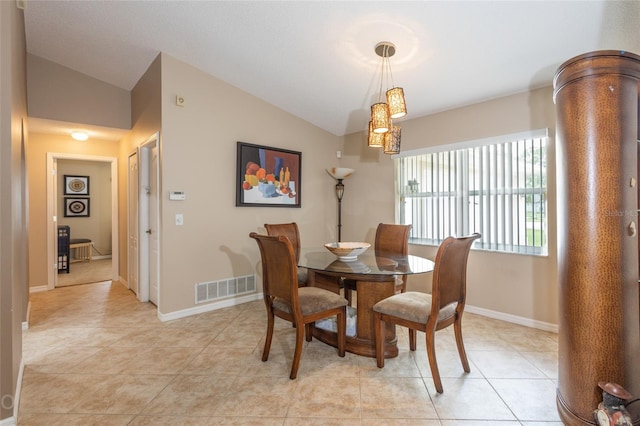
<point>391,238</point>
<point>450,273</point>
<point>289,230</point>
<point>279,276</point>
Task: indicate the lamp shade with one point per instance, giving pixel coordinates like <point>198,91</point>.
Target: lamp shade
<point>392,141</point>
<point>380,117</point>
<point>340,172</point>
<point>395,100</point>
<point>375,139</point>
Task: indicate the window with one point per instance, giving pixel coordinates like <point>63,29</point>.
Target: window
<point>496,187</point>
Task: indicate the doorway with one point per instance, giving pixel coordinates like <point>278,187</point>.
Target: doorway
<point>53,198</point>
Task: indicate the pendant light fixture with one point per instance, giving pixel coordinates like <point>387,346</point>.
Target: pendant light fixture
<point>382,132</point>
<point>392,141</point>
<point>375,140</point>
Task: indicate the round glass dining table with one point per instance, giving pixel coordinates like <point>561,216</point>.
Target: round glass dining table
<point>375,275</point>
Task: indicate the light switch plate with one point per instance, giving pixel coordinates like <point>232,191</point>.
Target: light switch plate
<point>179,219</point>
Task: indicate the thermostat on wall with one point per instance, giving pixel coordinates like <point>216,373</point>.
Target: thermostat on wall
<point>176,195</point>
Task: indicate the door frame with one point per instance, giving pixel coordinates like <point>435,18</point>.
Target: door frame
<point>133,191</point>
<point>144,252</point>
<point>52,220</point>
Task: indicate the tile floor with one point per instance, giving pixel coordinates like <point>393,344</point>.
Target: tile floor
<point>94,355</point>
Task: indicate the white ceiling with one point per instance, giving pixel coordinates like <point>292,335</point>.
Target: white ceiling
<point>316,60</point>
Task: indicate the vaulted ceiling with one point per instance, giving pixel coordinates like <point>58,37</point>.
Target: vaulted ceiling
<point>316,59</point>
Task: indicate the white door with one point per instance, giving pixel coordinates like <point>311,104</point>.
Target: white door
<point>54,219</point>
<point>133,259</point>
<point>153,225</point>
<point>148,221</point>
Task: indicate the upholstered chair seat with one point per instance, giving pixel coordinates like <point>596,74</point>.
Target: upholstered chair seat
<point>312,300</point>
<point>413,306</point>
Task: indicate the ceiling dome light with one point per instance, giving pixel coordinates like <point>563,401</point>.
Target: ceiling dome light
<point>80,136</point>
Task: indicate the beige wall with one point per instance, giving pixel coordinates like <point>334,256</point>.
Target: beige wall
<point>13,204</point>
<point>198,149</point>
<point>97,226</point>
<point>39,146</point>
<point>519,285</point>
<point>60,93</point>
<point>146,120</point>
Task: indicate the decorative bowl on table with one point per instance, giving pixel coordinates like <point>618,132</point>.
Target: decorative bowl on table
<point>347,251</point>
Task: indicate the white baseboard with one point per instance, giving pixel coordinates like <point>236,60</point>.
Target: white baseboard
<point>16,401</point>
<point>13,420</point>
<point>527,322</point>
<point>101,256</point>
<point>232,301</point>
<point>9,421</point>
<point>25,324</point>
<point>38,289</point>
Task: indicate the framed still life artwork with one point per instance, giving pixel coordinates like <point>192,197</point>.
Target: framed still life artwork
<point>76,185</point>
<point>267,177</point>
<point>76,207</point>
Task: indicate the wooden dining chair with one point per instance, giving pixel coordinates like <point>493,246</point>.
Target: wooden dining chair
<point>431,312</point>
<point>289,230</point>
<point>301,306</point>
<point>390,238</point>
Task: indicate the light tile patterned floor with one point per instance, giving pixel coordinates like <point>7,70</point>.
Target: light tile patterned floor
<point>94,355</point>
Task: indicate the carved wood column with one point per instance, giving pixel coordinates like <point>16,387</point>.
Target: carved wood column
<point>596,96</point>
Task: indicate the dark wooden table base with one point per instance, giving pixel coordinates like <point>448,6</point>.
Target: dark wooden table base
<point>368,294</point>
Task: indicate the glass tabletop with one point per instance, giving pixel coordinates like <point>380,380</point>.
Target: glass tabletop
<point>320,259</point>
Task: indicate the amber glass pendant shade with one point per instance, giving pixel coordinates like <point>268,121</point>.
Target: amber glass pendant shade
<point>392,140</point>
<point>395,100</point>
<point>375,140</point>
<point>380,121</point>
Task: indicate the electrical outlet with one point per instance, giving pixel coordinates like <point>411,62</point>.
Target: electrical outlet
<point>179,219</point>
<point>180,100</point>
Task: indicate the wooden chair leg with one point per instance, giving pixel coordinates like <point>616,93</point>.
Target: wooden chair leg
<point>342,331</point>
<point>297,352</point>
<point>379,336</point>
<point>433,362</point>
<point>412,339</point>
<point>457,327</point>
<point>267,340</point>
<point>308,331</point>
<point>348,295</point>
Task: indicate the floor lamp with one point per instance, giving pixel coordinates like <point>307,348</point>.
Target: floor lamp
<point>339,174</point>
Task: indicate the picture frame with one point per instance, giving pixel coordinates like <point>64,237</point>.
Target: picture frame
<point>76,185</point>
<point>268,176</point>
<point>76,207</point>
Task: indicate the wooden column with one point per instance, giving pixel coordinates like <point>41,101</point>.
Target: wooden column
<point>596,96</point>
